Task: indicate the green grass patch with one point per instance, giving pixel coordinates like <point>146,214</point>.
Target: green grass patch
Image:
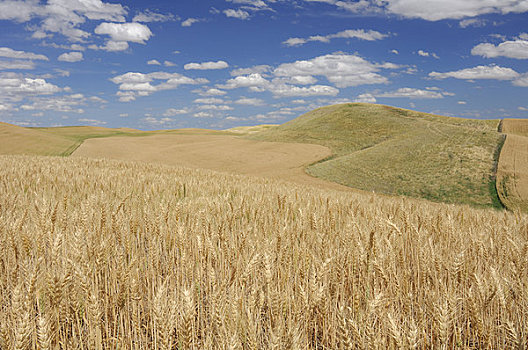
<point>399,152</point>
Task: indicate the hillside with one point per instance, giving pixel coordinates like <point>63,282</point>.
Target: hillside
<point>400,152</point>
<point>19,140</point>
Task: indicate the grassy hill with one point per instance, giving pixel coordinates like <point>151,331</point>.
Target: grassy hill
<point>400,152</point>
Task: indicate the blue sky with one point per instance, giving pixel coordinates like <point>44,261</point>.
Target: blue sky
<point>224,63</point>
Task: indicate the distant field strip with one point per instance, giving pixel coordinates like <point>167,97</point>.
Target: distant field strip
<point>231,154</point>
<point>512,171</point>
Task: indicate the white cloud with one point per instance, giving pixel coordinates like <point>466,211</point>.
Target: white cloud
<point>10,53</point>
<point>472,22</point>
<point>512,49</point>
<point>15,87</point>
<point>120,32</point>
<point>203,115</point>
<point>366,98</point>
<point>154,63</point>
<point>216,107</point>
<point>522,108</point>
<point>124,115</point>
<point>71,57</point>
<point>479,72</point>
<point>427,54</point>
<point>284,90</point>
<point>250,101</point>
<point>65,104</point>
<point>133,84</point>
<point>396,52</point>
<point>240,14</point>
<point>111,46</point>
<point>169,64</point>
<point>190,21</point>
<point>16,64</point>
<point>462,102</point>
<point>412,93</point>
<point>251,80</point>
<point>522,81</point>
<point>206,65</point>
<point>361,34</point>
<point>210,100</point>
<point>432,10</point>
<point>149,16</point>
<point>212,92</point>
<point>172,112</point>
<point>341,69</point>
<point>92,121</point>
<point>255,69</point>
<point>61,16</point>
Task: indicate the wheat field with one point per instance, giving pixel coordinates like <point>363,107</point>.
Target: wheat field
<point>100,254</point>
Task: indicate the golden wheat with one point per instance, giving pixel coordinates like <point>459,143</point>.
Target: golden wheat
<point>103,254</point>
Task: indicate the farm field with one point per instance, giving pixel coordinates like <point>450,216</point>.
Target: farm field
<point>226,153</point>
<point>512,171</point>
<point>101,254</point>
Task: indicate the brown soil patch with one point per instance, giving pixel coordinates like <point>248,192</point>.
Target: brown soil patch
<point>224,153</point>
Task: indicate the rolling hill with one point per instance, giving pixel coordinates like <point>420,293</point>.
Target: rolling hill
<point>400,152</point>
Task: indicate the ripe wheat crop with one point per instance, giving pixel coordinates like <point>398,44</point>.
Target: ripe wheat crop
<point>100,254</point>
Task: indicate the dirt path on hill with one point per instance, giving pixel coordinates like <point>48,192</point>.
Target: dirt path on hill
<point>231,154</point>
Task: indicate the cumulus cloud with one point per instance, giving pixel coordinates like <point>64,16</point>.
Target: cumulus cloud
<point>432,10</point>
<point>255,69</point>
<point>366,98</point>
<point>240,14</point>
<point>190,21</point>
<point>479,72</point>
<point>129,32</point>
<point>413,93</point>
<point>154,63</point>
<point>206,65</point>
<point>512,49</point>
<point>10,53</point>
<point>341,69</point>
<point>522,81</point>
<point>64,104</point>
<point>15,87</point>
<point>427,54</point>
<point>211,92</point>
<point>173,112</point>
<point>61,16</point>
<point>211,100</point>
<point>16,64</point>
<point>71,57</point>
<point>111,46</point>
<point>149,16</point>
<point>216,107</point>
<point>94,122</point>
<point>250,101</point>
<point>133,84</point>
<point>369,35</point>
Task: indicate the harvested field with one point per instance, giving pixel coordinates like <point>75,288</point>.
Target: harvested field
<point>515,126</point>
<point>224,153</point>
<point>512,173</point>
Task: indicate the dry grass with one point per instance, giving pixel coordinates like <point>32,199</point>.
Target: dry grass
<point>115,255</point>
